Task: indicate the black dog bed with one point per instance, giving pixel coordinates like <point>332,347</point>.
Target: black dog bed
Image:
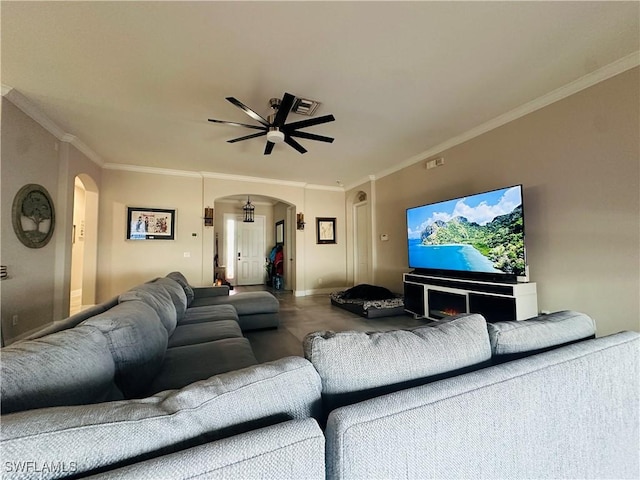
<point>369,301</point>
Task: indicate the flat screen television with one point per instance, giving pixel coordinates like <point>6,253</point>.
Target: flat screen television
<point>478,236</point>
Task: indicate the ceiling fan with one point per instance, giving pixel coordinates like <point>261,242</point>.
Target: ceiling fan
<point>274,127</point>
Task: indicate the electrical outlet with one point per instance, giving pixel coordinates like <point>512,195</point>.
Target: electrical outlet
<point>14,320</point>
<point>319,281</point>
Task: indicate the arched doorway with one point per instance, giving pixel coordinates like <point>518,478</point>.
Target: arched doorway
<point>231,236</point>
<point>84,244</point>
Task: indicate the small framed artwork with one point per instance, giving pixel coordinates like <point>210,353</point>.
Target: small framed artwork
<point>150,223</point>
<point>280,232</point>
<point>326,230</point>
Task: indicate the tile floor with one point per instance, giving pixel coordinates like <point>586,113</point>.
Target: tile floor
<point>302,315</point>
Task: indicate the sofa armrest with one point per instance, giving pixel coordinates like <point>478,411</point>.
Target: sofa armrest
<point>201,292</point>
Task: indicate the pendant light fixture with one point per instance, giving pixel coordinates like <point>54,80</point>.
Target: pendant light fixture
<point>248,211</point>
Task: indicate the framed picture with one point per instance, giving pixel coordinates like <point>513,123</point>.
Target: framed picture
<point>150,223</point>
<point>326,230</point>
<point>280,232</point>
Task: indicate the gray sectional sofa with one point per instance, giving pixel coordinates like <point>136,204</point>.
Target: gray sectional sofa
<point>147,340</point>
<point>541,398</point>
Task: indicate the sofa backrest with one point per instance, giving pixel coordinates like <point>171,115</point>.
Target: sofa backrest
<point>182,281</point>
<point>566,413</point>
<point>137,341</point>
<point>176,292</point>
<point>517,339</point>
<point>73,320</point>
<point>355,366</point>
<point>70,367</point>
<point>157,297</point>
<point>116,434</point>
<point>289,450</point>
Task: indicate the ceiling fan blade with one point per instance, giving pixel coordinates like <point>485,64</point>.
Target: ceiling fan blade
<point>248,111</point>
<point>247,137</point>
<point>309,123</point>
<point>311,136</point>
<point>284,109</point>
<point>235,124</point>
<point>268,148</point>
<point>294,144</point>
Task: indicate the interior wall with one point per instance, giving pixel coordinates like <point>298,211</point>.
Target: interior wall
<point>38,291</point>
<point>579,162</point>
<point>29,155</point>
<point>325,263</point>
<point>124,263</point>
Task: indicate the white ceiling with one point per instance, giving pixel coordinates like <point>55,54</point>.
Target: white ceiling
<point>137,81</point>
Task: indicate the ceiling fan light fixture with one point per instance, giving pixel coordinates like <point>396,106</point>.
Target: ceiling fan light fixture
<point>274,135</point>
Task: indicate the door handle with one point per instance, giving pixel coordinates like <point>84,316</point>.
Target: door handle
<point>239,255</point>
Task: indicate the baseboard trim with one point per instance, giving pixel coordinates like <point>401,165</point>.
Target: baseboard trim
<point>317,291</point>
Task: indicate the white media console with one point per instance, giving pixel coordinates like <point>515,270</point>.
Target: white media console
<point>438,297</point>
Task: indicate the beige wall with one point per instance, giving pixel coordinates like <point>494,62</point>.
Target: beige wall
<point>38,290</point>
<point>29,155</point>
<point>124,263</point>
<point>325,263</point>
<point>578,160</point>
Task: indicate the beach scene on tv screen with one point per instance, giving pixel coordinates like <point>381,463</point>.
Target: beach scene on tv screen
<point>478,233</point>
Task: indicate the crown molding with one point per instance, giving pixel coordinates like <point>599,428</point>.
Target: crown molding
<point>218,176</point>
<point>152,170</point>
<point>622,65</point>
<point>243,178</point>
<point>32,111</point>
<point>311,186</point>
<point>36,114</point>
<point>362,181</point>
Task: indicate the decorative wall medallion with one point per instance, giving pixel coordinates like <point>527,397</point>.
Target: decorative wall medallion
<point>33,215</point>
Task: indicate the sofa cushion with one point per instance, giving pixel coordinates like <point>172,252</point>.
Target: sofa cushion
<point>71,367</point>
<point>156,296</point>
<point>210,313</point>
<point>124,432</point>
<point>289,450</point>
<point>245,303</point>
<point>192,363</point>
<point>204,332</point>
<point>137,341</point>
<point>510,340</point>
<point>358,365</point>
<point>182,281</point>
<point>176,292</point>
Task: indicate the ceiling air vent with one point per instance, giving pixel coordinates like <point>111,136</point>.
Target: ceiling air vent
<point>304,106</point>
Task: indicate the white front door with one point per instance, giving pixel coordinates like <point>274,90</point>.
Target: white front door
<point>251,251</point>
